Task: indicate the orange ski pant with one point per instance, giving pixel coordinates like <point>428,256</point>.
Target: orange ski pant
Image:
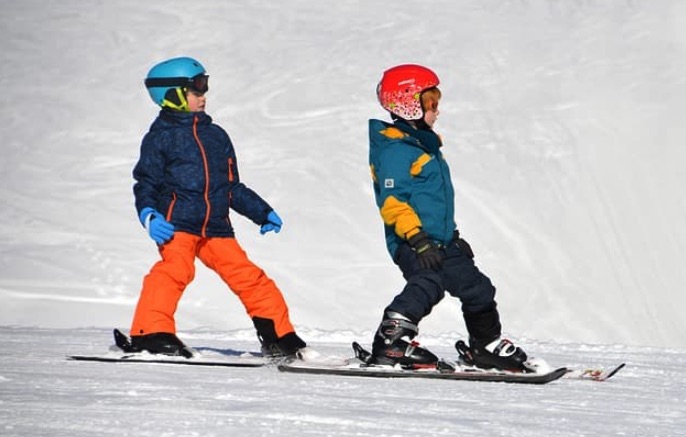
<point>168,278</point>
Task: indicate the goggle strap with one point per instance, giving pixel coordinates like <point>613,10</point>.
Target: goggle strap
<point>163,82</point>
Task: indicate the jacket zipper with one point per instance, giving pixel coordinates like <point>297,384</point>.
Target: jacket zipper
<point>170,210</point>
<point>442,170</point>
<point>203,231</point>
<point>231,180</point>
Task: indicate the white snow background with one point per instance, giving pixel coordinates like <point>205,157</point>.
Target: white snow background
<point>563,122</point>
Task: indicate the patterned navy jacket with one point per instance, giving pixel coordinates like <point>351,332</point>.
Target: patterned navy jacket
<point>187,171</point>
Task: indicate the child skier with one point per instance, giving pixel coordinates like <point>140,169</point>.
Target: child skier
<point>186,181</point>
<point>415,196</point>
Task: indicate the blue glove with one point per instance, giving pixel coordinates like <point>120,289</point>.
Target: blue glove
<point>158,228</point>
<point>273,223</point>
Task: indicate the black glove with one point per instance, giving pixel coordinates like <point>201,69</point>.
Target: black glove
<point>428,255</point>
<point>462,244</point>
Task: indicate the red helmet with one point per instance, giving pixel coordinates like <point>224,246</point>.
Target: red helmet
<point>400,89</point>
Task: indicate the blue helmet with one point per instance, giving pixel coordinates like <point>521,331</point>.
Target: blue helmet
<point>168,81</point>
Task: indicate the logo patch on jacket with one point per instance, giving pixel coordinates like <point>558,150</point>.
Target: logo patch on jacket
<point>389,183</point>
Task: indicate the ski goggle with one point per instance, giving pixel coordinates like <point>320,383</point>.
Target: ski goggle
<point>198,83</point>
<point>429,99</point>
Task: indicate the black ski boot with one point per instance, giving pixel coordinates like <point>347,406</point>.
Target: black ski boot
<point>287,346</point>
<point>273,346</point>
<point>486,348</point>
<point>393,345</point>
<point>499,354</point>
<point>163,343</point>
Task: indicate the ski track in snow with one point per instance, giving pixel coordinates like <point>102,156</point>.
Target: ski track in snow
<point>43,394</point>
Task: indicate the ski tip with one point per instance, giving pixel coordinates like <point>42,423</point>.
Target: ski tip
<point>595,374</point>
<point>612,372</point>
<point>358,349</point>
<point>119,335</point>
<point>122,341</point>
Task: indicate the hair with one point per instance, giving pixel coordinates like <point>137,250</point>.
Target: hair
<point>430,96</point>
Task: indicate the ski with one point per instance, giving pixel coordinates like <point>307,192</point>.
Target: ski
<point>123,352</point>
<point>158,359</point>
<point>444,370</point>
<point>590,374</point>
<point>360,365</point>
<point>594,374</point>
<point>391,372</point>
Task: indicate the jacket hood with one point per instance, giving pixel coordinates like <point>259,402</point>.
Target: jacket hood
<point>382,133</point>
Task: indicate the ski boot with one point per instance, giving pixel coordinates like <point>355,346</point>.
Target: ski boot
<point>288,346</point>
<point>393,345</point>
<point>273,346</point>
<point>163,343</point>
<point>500,354</point>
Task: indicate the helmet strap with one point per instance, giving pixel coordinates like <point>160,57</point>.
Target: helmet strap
<point>175,98</point>
<point>417,124</point>
<point>421,124</point>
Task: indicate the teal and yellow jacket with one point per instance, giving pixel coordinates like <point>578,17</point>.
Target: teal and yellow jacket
<point>412,183</point>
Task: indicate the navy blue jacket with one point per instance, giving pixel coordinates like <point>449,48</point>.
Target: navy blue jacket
<point>187,171</point>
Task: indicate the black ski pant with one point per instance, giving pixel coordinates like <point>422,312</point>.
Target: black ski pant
<point>460,277</point>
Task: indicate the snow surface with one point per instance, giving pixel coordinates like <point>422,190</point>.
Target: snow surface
<point>563,124</point>
<point>43,394</point>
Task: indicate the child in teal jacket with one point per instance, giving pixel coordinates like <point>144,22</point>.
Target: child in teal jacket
<point>415,196</point>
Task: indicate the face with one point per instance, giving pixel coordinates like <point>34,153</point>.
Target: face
<point>431,113</point>
<point>196,101</point>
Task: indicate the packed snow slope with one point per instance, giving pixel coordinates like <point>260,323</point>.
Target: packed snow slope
<point>562,121</point>
<point>44,395</point>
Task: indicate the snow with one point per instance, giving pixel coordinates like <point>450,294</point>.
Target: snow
<point>43,394</point>
<point>563,124</point>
